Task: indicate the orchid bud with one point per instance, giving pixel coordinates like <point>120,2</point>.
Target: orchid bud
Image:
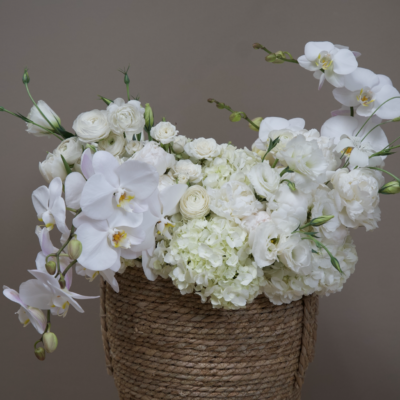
<point>74,249</point>
<point>392,187</point>
<point>25,77</point>
<point>148,116</point>
<point>270,58</point>
<point>396,119</point>
<point>257,46</point>
<point>40,353</point>
<point>256,121</point>
<point>320,220</point>
<point>62,282</point>
<point>235,117</point>
<point>50,341</point>
<point>51,267</point>
<point>278,61</point>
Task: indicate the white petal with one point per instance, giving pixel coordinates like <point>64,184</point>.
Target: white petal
<point>73,189</point>
<point>337,126</point>
<point>358,158</point>
<point>13,295</point>
<point>138,177</point>
<point>307,64</point>
<point>345,97</point>
<point>97,197</point>
<point>55,190</point>
<point>37,318</point>
<point>150,275</point>
<point>344,144</point>
<point>106,164</point>
<point>87,164</point>
<point>35,294</point>
<point>122,218</point>
<point>366,111</point>
<point>297,123</point>
<point>170,198</point>
<point>40,199</point>
<point>271,124</point>
<point>58,212</point>
<point>344,62</point>
<point>97,255</point>
<point>334,79</point>
<point>391,109</point>
<point>45,242</point>
<point>312,49</point>
<point>360,78</point>
<point>109,277</point>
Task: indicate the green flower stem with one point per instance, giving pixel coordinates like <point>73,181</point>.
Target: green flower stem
<point>275,162</point>
<point>284,59</point>
<point>69,266</point>
<point>36,343</point>
<point>386,172</point>
<point>352,111</point>
<point>382,123</point>
<point>57,255</point>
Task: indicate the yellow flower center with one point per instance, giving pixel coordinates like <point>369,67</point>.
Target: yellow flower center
<point>118,238</point>
<point>365,97</point>
<point>324,60</point>
<point>124,198</point>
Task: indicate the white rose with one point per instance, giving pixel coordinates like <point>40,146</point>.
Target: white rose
<point>202,149</point>
<point>52,167</point>
<point>234,201</point>
<point>186,167</point>
<point>126,118</point>
<point>265,180</point>
<point>154,155</point>
<point>178,145</point>
<point>306,159</point>
<point>114,144</point>
<point>164,132</point>
<point>134,146</point>
<point>36,117</point>
<point>164,182</point>
<point>71,150</point>
<point>91,126</point>
<point>195,203</point>
<point>357,196</point>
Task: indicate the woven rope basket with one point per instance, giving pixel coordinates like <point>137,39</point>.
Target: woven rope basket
<point>160,344</point>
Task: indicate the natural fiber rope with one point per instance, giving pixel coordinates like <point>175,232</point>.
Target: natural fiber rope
<point>160,344</point>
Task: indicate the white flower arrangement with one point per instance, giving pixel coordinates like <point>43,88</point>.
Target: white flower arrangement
<point>225,223</point>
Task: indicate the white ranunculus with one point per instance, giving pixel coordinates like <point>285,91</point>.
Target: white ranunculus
<point>202,149</point>
<point>126,118</point>
<point>306,159</point>
<point>52,167</point>
<point>336,61</point>
<point>164,132</point>
<point>114,144</point>
<point>265,180</point>
<point>234,201</point>
<point>70,149</point>
<point>36,117</point>
<point>186,167</point>
<point>134,146</point>
<point>195,203</point>
<point>357,196</point>
<point>154,155</point>
<point>178,145</point>
<point>91,126</point>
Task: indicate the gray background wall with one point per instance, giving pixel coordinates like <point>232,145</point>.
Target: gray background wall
<point>181,53</point>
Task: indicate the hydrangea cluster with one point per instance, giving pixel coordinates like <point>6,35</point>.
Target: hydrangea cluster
<point>225,223</point>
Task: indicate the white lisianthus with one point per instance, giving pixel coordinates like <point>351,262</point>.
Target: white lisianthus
<point>114,144</point>
<point>126,118</point>
<point>306,159</point>
<point>186,167</point>
<point>281,127</point>
<point>178,145</point>
<point>52,167</point>
<point>164,132</point>
<point>251,223</point>
<point>91,126</point>
<point>266,244</point>
<point>259,148</point>
<point>202,149</point>
<point>234,201</point>
<point>70,149</point>
<point>154,155</point>
<point>195,203</point>
<point>265,180</point>
<point>295,253</point>
<point>357,197</point>
<point>36,117</point>
<point>134,146</point>
<point>336,62</point>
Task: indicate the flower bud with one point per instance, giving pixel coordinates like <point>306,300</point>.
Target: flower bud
<point>257,46</point>
<point>148,116</point>
<point>50,341</point>
<point>270,58</point>
<point>336,264</point>
<point>278,61</point>
<point>51,267</point>
<point>62,282</point>
<point>256,121</point>
<point>235,117</point>
<point>107,101</point>
<point>25,77</point>
<point>74,249</point>
<point>2,109</point>
<point>392,187</point>
<point>126,79</point>
<point>40,353</point>
<point>320,220</point>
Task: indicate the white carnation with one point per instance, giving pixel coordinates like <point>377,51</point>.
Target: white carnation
<point>91,126</point>
<point>164,132</point>
<point>202,149</point>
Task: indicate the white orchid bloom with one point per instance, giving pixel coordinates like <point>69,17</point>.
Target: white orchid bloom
<point>45,293</point>
<point>27,314</point>
<point>108,275</point>
<point>336,62</point>
<point>48,248</point>
<point>127,186</point>
<point>104,242</point>
<point>366,92</point>
<point>272,124</point>
<point>50,206</point>
<point>358,148</point>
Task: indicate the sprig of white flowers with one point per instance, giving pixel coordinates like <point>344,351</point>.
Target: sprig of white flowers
<point>225,223</point>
